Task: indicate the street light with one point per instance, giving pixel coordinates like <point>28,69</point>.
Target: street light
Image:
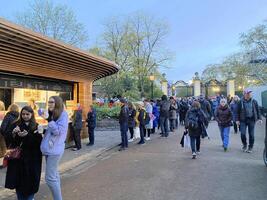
<point>152,78</point>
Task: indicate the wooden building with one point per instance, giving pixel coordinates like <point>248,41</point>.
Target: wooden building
<point>34,67</point>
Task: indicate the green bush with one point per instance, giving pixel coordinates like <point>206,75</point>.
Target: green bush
<point>104,111</point>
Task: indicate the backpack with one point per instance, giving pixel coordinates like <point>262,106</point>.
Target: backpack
<point>146,118</point>
<point>192,121</point>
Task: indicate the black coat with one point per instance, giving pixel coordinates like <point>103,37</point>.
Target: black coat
<point>131,119</point>
<point>241,111</point>
<point>7,124</point>
<point>91,119</point>
<point>202,122</point>
<point>24,174</point>
<point>223,116</point>
<point>124,115</point>
<point>77,122</point>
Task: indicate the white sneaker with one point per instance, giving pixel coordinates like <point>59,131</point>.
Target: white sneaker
<point>147,139</point>
<point>130,140</point>
<point>198,152</point>
<point>194,155</point>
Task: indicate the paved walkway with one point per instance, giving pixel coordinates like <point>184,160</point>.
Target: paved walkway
<point>104,140</point>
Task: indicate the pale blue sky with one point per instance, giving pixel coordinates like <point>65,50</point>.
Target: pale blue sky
<point>202,32</point>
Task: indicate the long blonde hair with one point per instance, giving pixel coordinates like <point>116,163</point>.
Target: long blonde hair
<point>13,108</point>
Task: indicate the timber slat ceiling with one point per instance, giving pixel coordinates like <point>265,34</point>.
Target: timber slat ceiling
<point>25,51</point>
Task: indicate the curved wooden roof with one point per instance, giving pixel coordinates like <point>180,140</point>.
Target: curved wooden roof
<point>24,51</point>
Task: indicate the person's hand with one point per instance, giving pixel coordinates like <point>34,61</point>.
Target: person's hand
<point>238,123</point>
<point>16,129</point>
<point>260,121</point>
<point>22,133</point>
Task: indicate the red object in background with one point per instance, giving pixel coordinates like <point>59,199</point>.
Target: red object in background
<point>5,162</point>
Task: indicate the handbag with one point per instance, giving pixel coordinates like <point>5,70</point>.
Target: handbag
<point>11,154</point>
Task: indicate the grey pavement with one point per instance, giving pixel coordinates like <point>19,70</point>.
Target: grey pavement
<point>104,140</point>
<point>162,170</point>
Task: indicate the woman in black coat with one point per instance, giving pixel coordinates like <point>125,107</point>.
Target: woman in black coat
<point>131,120</point>
<point>195,122</point>
<point>24,174</point>
<point>11,116</point>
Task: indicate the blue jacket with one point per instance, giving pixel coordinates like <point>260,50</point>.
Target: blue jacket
<point>91,119</point>
<point>156,115</point>
<point>53,142</point>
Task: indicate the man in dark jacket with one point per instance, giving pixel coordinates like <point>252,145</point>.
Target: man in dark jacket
<point>91,124</point>
<point>77,127</point>
<point>205,106</point>
<point>123,120</point>
<point>247,115</point>
<point>164,115</point>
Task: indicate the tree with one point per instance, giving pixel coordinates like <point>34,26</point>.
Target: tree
<point>135,43</point>
<point>56,21</point>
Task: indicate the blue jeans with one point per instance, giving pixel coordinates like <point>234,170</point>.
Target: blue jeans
<point>225,135</point>
<point>195,143</point>
<point>243,128</point>
<point>124,137</point>
<point>164,125</point>
<point>20,196</point>
<point>52,178</point>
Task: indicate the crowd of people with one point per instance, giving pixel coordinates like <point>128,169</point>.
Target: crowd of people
<point>141,119</point>
<point>194,113</point>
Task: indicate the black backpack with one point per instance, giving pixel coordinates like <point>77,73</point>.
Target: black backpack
<point>192,121</point>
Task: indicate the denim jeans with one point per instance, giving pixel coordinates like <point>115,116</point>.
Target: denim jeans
<point>243,128</point>
<point>225,135</point>
<point>124,137</point>
<point>195,143</point>
<point>52,178</point>
<point>20,196</point>
<point>172,124</point>
<point>164,124</point>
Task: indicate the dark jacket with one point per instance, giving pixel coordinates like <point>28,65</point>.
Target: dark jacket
<point>24,174</point>
<point>124,115</point>
<point>7,124</point>
<point>91,119</point>
<point>206,107</point>
<point>234,107</point>
<point>165,108</point>
<point>223,116</point>
<point>131,119</point>
<point>77,122</point>
<point>156,115</point>
<point>202,122</point>
<point>241,112</point>
<point>141,118</point>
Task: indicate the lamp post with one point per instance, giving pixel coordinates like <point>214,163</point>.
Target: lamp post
<point>152,78</point>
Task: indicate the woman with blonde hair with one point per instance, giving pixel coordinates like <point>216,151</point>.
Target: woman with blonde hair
<point>9,119</point>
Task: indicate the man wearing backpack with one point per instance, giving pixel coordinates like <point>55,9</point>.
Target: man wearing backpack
<point>164,116</point>
<point>247,115</point>
<point>195,122</point>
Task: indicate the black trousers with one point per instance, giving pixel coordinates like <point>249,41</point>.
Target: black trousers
<point>131,130</point>
<point>91,133</point>
<point>77,138</point>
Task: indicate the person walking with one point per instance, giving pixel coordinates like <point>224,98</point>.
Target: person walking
<point>77,125</point>
<point>10,117</point>
<point>164,116</point>
<point>123,120</point>
<point>223,116</point>
<point>194,120</point>
<point>53,143</point>
<point>172,114</point>
<point>183,108</point>
<point>248,114</point>
<point>24,173</point>
<point>131,120</point>
<point>205,106</point>
<point>91,124</point>
<point>234,107</point>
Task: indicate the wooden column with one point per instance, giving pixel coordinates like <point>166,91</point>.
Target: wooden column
<point>85,99</point>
